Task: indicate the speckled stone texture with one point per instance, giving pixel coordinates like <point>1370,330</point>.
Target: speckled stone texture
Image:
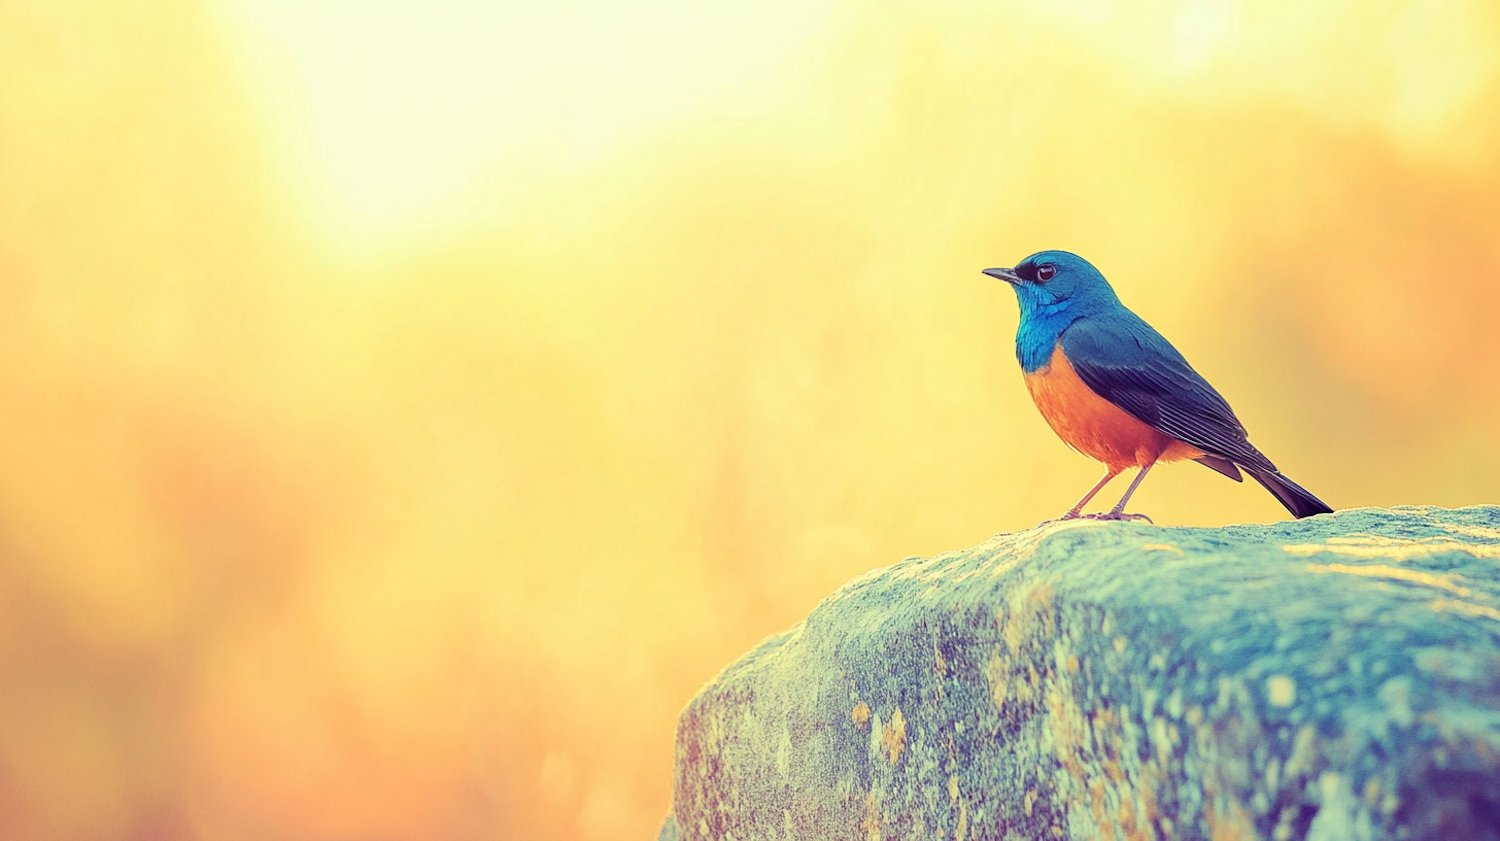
<point>1331,678</point>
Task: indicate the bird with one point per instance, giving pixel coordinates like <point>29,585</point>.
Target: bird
<point>1116,390</point>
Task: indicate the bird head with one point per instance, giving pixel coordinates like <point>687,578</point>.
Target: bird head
<point>1051,277</point>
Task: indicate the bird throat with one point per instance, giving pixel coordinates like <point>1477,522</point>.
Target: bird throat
<point>1041,327</point>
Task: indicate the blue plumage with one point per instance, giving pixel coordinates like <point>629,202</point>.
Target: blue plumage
<point>1047,309</point>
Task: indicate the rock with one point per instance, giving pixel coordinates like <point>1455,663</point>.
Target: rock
<point>1330,678</point>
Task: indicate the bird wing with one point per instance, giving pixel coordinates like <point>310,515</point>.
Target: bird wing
<point>1131,365</point>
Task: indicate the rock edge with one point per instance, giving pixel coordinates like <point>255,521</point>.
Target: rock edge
<point>1330,678</point>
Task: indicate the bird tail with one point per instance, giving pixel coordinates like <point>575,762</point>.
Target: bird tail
<point>1289,493</point>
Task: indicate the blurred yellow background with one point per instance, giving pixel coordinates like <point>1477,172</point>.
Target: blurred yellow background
<point>405,407</point>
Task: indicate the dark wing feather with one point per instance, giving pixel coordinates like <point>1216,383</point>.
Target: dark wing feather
<point>1129,364</point>
<point>1222,465</point>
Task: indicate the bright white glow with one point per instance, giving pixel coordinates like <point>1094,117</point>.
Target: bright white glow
<point>1199,29</point>
<point>387,113</point>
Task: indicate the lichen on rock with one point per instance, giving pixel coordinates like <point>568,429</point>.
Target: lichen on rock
<point>1329,678</point>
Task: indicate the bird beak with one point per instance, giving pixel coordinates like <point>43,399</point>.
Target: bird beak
<point>1007,275</point>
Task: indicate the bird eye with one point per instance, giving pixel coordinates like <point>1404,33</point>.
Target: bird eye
<point>1045,271</point>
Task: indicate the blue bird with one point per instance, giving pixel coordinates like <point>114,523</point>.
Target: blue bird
<point>1112,388</point>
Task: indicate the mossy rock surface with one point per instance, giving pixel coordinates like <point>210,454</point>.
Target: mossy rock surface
<point>1329,678</point>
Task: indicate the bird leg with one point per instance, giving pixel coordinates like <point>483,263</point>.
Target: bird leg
<point>1118,512</point>
<point>1075,512</point>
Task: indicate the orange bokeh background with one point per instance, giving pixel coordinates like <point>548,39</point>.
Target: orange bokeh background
<point>404,408</point>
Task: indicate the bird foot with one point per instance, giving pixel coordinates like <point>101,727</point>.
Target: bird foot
<point>1120,515</point>
<point>1071,515</point>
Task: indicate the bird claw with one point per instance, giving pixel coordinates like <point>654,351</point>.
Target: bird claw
<point>1071,515</point>
<point>1105,515</point>
<point>1120,515</point>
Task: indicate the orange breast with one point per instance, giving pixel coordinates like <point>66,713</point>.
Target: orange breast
<point>1094,426</point>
